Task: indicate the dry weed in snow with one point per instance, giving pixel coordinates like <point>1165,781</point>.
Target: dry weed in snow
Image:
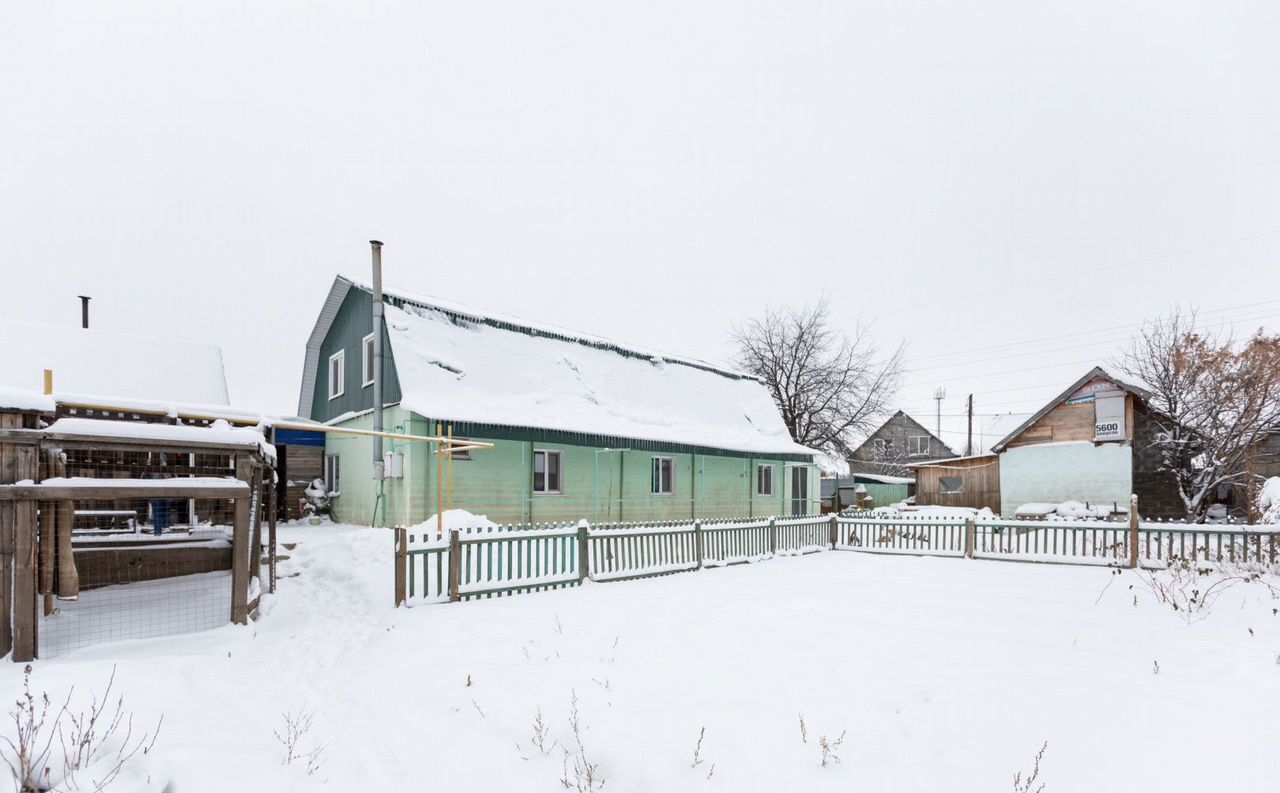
<point>1027,784</point>
<point>830,749</point>
<point>96,743</point>
<point>1191,588</point>
<point>296,728</point>
<point>579,773</point>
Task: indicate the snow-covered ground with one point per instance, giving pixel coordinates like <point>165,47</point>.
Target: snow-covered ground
<point>942,675</point>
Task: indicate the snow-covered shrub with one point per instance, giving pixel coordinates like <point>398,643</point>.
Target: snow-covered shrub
<point>1269,500</point>
<point>1190,587</point>
<point>316,499</point>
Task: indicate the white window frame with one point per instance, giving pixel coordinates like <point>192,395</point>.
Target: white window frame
<point>760,491</point>
<point>545,491</point>
<point>913,447</point>
<point>340,358</point>
<point>333,475</point>
<point>366,361</point>
<point>463,454</point>
<point>655,476</point>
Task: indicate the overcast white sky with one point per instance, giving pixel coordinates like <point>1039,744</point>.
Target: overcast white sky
<point>967,175</point>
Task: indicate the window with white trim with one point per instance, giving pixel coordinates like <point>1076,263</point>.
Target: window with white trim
<point>918,445</point>
<point>664,476</point>
<point>546,472</point>
<point>881,446</point>
<point>764,480</point>
<point>332,484</point>
<point>366,363</point>
<point>460,454</point>
<point>337,374</point>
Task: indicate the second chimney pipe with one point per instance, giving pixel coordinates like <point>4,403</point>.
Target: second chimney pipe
<point>377,358</point>
<point>84,310</point>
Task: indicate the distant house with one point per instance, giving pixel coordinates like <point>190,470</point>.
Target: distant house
<point>103,363</point>
<point>1092,443</point>
<point>895,445</point>
<point>861,490</point>
<point>582,427</point>
<point>971,481</point>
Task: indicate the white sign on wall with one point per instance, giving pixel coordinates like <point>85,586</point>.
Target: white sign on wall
<point>1108,423</point>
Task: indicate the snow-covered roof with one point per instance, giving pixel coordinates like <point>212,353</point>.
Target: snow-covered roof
<point>112,364</point>
<point>465,365</point>
<point>25,400</point>
<point>220,432</point>
<point>948,460</point>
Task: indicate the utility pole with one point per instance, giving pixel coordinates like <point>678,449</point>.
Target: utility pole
<point>938,396</point>
<point>968,447</point>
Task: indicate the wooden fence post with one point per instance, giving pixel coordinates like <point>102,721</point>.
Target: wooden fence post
<point>773,537</point>
<point>455,565</point>
<point>1133,530</point>
<point>697,541</point>
<point>25,622</point>
<point>240,545</point>
<point>8,475</point>
<point>584,559</point>
<point>271,534</point>
<point>835,531</point>
<point>402,565</point>
<point>969,528</point>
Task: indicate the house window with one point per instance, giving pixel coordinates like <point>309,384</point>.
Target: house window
<point>918,445</point>
<point>764,480</point>
<point>546,472</point>
<point>663,476</point>
<point>461,454</point>
<point>332,484</point>
<point>367,360</point>
<point>882,446</point>
<point>951,484</point>
<point>337,374</point>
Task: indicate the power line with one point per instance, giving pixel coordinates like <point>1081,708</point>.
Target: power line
<point>1104,268</point>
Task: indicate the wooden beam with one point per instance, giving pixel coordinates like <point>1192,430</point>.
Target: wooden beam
<point>74,492</point>
<point>240,548</point>
<point>120,443</point>
<point>25,622</point>
<point>8,474</point>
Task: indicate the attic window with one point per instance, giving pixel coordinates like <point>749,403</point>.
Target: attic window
<point>367,360</point>
<point>337,374</point>
<point>918,445</point>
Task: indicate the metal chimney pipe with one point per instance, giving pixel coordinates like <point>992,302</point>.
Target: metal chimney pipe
<point>378,322</point>
<point>84,311</point>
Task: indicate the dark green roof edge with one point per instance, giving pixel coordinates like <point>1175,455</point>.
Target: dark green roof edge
<point>471,429</point>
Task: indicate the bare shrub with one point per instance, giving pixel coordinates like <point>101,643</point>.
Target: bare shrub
<point>804,731</point>
<point>830,749</point>
<point>96,743</point>
<point>541,732</point>
<point>1191,588</point>
<point>296,728</point>
<point>579,773</point>
<point>1027,784</point>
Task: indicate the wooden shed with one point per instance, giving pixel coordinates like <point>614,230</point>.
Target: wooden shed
<point>959,482</point>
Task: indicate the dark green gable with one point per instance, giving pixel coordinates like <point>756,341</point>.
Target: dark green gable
<point>353,322</point>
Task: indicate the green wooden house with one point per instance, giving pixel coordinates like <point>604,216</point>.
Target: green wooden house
<point>582,427</point>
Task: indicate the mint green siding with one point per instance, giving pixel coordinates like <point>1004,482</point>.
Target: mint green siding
<point>596,484</point>
<point>604,478</point>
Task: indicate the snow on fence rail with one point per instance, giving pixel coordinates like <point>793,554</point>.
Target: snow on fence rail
<point>503,560</point>
<point>494,561</point>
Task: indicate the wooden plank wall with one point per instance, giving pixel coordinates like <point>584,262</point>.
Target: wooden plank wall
<point>303,464</point>
<point>981,484</point>
<point>1069,423</point>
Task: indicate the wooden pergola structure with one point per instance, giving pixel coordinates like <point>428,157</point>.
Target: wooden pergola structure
<point>37,508</point>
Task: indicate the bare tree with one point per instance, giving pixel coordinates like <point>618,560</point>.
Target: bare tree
<point>829,387</point>
<point>1214,400</point>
